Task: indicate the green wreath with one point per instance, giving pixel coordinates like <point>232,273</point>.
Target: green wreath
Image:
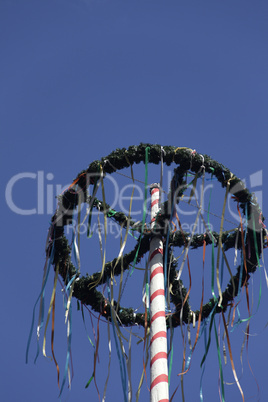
<point>84,288</point>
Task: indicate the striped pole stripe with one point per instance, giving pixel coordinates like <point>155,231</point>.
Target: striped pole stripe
<point>162,334</point>
<point>158,292</point>
<point>159,355</point>
<point>158,380</point>
<point>158,330</point>
<point>157,270</point>
<point>157,315</point>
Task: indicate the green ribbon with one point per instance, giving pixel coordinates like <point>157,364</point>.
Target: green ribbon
<point>171,356</point>
<point>258,260</point>
<point>89,381</point>
<point>213,253</point>
<point>147,149</point>
<point>220,364</point>
<point>89,234</point>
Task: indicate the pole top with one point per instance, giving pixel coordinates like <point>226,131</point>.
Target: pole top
<point>154,185</point>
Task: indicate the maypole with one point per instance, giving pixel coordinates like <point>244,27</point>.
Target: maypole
<point>158,329</point>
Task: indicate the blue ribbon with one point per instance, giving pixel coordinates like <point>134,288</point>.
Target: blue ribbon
<point>41,295</point>
<point>119,355</point>
<point>69,335</point>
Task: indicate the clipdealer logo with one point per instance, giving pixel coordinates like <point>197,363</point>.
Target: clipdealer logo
<point>45,192</point>
<point>41,188</point>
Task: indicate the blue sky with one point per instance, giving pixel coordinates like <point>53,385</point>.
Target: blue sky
<point>81,78</point>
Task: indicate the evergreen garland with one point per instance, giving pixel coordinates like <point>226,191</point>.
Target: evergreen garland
<point>85,286</point>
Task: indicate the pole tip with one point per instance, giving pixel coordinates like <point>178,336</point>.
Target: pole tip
<point>154,185</point>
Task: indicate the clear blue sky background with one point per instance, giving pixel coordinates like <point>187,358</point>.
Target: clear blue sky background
<point>80,78</point>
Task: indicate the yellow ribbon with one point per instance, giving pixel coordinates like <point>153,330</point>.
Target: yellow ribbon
<point>49,310</point>
<point>220,242</point>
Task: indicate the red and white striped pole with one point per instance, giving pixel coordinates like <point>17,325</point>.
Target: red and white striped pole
<point>158,329</point>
